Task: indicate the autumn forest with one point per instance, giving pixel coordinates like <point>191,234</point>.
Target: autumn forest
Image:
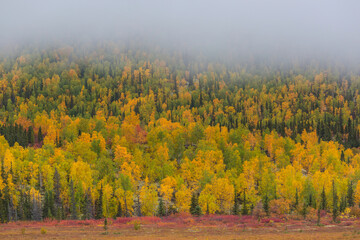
<point>110,131</point>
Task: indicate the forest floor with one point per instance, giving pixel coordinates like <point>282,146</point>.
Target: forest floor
<point>184,227</point>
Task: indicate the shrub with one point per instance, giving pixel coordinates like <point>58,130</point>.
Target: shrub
<point>136,225</point>
<point>312,214</point>
<point>280,206</point>
<point>43,231</point>
<point>259,211</point>
<point>354,212</point>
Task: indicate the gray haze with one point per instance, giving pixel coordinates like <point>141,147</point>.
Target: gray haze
<point>280,27</point>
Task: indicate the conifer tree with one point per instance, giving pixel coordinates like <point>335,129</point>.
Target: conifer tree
<point>335,210</point>
<point>245,210</point>
<point>236,205</point>
<point>48,205</point>
<point>119,210</point>
<point>296,204</point>
<point>350,194</point>
<point>98,205</point>
<point>105,224</point>
<point>57,198</point>
<point>323,199</point>
<point>73,202</point>
<point>36,208</point>
<point>40,136</point>
<point>342,158</point>
<point>266,205</point>
<point>88,208</point>
<point>30,134</point>
<point>3,208</point>
<point>304,210</point>
<point>194,206</point>
<point>161,209</point>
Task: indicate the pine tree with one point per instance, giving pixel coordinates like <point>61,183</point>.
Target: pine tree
<point>176,88</point>
<point>194,206</point>
<point>12,214</point>
<point>36,208</point>
<point>40,136</point>
<point>236,205</point>
<point>266,205</point>
<point>88,209</point>
<point>25,206</point>
<point>57,198</point>
<point>342,158</point>
<point>323,199</point>
<point>304,210</point>
<point>48,205</point>
<point>275,192</point>
<point>296,204</point>
<point>335,211</point>
<point>30,133</point>
<point>98,205</point>
<point>245,210</point>
<point>73,202</point>
<point>342,204</point>
<point>310,201</point>
<point>350,194</point>
<point>119,210</point>
<point>318,216</point>
<point>161,209</point>
<point>105,224</point>
<point>3,208</point>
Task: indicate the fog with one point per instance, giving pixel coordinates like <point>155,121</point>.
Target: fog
<point>264,27</point>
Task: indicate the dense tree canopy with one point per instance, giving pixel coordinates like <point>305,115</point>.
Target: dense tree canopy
<point>112,131</point>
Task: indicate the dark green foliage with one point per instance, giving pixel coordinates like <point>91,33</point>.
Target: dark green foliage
<point>194,206</point>
<point>74,214</point>
<point>31,137</point>
<point>3,208</point>
<point>12,213</point>
<point>266,205</point>
<point>4,211</point>
<point>88,206</point>
<point>161,209</point>
<point>323,199</point>
<point>40,135</point>
<point>350,194</point>
<point>16,133</point>
<point>343,204</point>
<point>245,210</point>
<point>235,209</point>
<point>296,204</point>
<point>311,202</point>
<point>98,205</point>
<point>335,210</point>
<point>24,206</point>
<point>304,210</point>
<point>105,224</point>
<point>57,199</point>
<point>36,208</point>
<point>119,211</point>
<point>48,209</point>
